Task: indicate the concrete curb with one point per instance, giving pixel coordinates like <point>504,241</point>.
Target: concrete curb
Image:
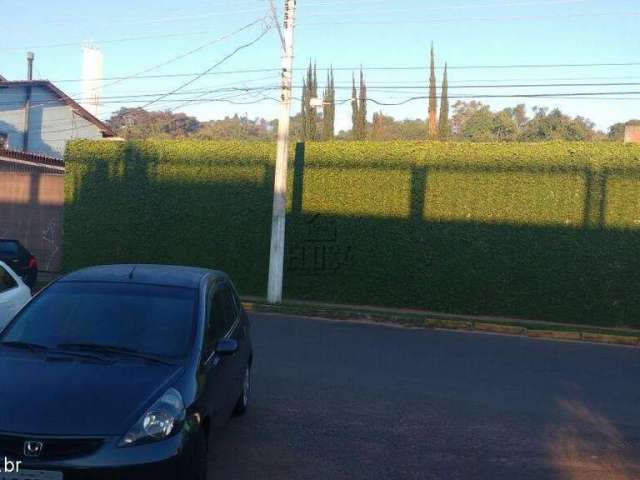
<point>426,320</point>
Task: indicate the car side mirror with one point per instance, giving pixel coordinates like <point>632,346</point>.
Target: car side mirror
<point>226,346</point>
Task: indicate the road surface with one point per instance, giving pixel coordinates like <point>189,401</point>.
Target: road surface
<point>340,400</point>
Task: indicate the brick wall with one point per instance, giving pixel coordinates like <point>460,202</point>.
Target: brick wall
<point>632,134</point>
<point>31,210</point>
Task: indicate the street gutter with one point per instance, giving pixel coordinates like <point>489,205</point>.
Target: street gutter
<point>426,319</point>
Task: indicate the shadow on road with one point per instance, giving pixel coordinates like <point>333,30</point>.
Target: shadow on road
<point>588,446</point>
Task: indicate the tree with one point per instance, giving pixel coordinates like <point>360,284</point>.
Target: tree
<point>433,102</point>
<point>463,111</point>
<point>329,108</point>
<point>443,123</point>
<point>505,127</point>
<point>137,123</point>
<point>309,114</point>
<point>555,125</point>
<point>362,110</point>
<point>237,128</point>
<point>302,128</point>
<point>355,115</point>
<point>479,126</point>
<point>378,126</point>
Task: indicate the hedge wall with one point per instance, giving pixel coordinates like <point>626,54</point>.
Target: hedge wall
<point>546,231</point>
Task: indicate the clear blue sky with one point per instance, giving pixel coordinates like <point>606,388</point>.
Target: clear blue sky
<point>134,36</point>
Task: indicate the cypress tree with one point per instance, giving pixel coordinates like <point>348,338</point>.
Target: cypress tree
<point>309,115</point>
<point>313,93</point>
<point>354,109</point>
<point>443,123</point>
<point>329,108</point>
<point>362,109</point>
<point>303,111</point>
<point>433,102</point>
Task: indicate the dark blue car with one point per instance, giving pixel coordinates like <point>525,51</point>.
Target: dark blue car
<point>122,372</point>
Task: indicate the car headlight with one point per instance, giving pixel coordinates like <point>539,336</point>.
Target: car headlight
<point>161,420</point>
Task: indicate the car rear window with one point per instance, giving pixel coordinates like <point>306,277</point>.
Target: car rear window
<point>154,320</point>
<point>8,247</point>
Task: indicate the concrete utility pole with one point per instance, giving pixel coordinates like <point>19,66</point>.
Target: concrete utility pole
<point>276,257</point>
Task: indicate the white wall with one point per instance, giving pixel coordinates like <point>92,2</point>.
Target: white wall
<point>52,123</point>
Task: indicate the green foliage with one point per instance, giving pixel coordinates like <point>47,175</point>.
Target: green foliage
<point>545,231</point>
<point>354,108</point>
<point>361,132</point>
<point>433,101</point>
<point>444,131</point>
<point>329,108</point>
<point>140,124</point>
<point>309,114</point>
<point>237,128</point>
<point>557,126</point>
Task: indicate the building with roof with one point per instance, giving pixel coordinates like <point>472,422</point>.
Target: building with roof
<point>37,117</point>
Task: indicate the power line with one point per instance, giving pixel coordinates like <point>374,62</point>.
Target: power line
<point>394,68</point>
<point>164,96</point>
<point>188,53</point>
<point>215,65</point>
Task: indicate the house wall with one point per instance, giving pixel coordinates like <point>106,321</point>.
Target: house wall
<point>31,210</point>
<point>52,122</point>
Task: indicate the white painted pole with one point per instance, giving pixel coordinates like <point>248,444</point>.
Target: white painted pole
<point>276,257</point>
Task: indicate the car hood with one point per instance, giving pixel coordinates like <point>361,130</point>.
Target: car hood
<point>67,396</point>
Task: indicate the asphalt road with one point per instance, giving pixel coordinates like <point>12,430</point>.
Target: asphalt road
<point>337,400</point>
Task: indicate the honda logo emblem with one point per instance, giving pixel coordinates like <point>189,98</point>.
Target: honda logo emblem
<point>33,448</point>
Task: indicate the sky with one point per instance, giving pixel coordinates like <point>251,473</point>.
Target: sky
<point>493,47</point>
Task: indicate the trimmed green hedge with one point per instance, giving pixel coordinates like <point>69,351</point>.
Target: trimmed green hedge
<point>543,231</point>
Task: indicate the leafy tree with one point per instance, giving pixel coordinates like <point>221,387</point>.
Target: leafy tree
<point>378,126</point>
<point>384,128</point>
<point>505,126</point>
<point>136,123</point>
<point>462,112</point>
<point>329,108</point>
<point>555,125</point>
<point>433,102</point>
<point>443,124</point>
<point>237,128</point>
<point>479,126</point>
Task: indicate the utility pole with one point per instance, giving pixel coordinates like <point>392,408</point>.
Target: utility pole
<point>276,256</point>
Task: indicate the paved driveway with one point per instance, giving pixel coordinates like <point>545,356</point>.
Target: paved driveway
<point>338,400</point>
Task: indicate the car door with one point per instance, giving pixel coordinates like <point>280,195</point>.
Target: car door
<point>13,295</point>
<point>237,361</point>
<point>216,368</point>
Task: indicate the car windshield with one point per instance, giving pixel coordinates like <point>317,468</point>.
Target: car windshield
<point>153,320</point>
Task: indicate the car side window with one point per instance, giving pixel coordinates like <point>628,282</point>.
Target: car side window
<point>209,338</point>
<point>229,305</point>
<point>216,324</point>
<point>6,281</point>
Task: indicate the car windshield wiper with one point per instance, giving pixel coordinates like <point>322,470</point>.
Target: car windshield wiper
<point>34,347</point>
<point>113,349</point>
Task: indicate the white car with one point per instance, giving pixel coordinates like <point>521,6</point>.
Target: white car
<point>14,294</point>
